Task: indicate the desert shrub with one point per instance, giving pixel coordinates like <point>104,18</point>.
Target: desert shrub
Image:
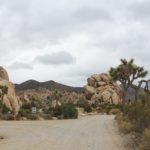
<point>87,108</point>
<point>7,117</point>
<point>45,110</point>
<point>93,105</point>
<point>1,104</point>
<point>48,110</point>
<point>26,108</point>
<point>3,108</point>
<point>145,140</point>
<point>135,119</point>
<point>85,105</point>
<point>23,113</point>
<point>32,117</point>
<point>81,103</point>
<point>66,111</point>
<point>34,102</point>
<point>142,96</point>
<point>119,117</point>
<point>46,116</point>
<point>106,107</point>
<point>125,127</point>
<point>138,114</point>
<point>114,111</point>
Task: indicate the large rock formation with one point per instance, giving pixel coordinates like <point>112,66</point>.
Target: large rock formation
<point>3,74</point>
<point>7,92</point>
<point>101,89</point>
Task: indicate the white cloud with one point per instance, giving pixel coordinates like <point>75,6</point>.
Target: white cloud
<point>20,66</point>
<point>59,58</point>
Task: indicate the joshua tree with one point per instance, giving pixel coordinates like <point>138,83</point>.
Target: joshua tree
<point>57,96</point>
<point>146,87</point>
<point>127,73</point>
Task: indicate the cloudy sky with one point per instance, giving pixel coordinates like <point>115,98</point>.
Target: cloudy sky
<point>68,40</point>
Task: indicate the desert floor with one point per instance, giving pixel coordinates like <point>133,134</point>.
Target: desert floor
<point>86,133</point>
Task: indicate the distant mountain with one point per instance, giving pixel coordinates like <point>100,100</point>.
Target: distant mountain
<point>51,85</point>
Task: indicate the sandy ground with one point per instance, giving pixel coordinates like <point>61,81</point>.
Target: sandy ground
<point>86,133</point>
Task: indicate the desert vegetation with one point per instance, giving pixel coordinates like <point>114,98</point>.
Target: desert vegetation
<point>46,110</point>
<point>134,118</point>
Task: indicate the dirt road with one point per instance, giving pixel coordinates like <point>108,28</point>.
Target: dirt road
<point>87,133</point>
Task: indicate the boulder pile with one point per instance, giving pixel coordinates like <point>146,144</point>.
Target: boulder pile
<point>101,89</point>
<point>7,92</point>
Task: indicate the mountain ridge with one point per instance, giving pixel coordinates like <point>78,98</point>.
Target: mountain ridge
<point>51,85</point>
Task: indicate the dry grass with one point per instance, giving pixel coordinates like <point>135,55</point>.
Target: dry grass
<point>125,127</point>
<point>145,141</point>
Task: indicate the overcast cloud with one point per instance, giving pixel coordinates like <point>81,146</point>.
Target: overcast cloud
<point>68,40</point>
<point>59,58</point>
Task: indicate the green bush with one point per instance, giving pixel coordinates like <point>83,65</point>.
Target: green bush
<point>85,105</point>
<point>26,109</point>
<point>81,103</point>
<point>87,108</point>
<point>47,110</point>
<point>66,111</point>
<point>3,108</point>
<point>106,107</point>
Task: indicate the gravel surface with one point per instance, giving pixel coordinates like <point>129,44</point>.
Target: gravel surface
<point>87,133</point>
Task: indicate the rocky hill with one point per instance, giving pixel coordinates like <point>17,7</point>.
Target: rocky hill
<point>50,85</point>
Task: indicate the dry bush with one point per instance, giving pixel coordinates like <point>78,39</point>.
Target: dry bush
<point>119,117</point>
<point>145,140</point>
<point>7,117</point>
<point>125,127</point>
<point>114,111</point>
<point>33,117</point>
<point>46,116</point>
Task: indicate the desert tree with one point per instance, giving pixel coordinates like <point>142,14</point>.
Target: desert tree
<point>127,73</point>
<point>146,87</point>
<point>57,96</point>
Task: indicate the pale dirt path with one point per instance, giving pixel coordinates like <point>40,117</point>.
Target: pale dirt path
<point>87,133</point>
